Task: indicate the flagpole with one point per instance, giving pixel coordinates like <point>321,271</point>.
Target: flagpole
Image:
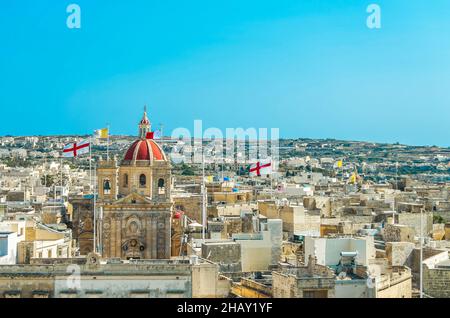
<point>107,145</point>
<point>421,255</point>
<point>203,198</point>
<point>95,218</point>
<point>54,187</point>
<point>92,189</point>
<point>90,165</point>
<point>271,181</point>
<point>45,172</point>
<point>61,172</point>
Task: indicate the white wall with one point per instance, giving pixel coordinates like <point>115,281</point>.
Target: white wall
<point>355,289</point>
<point>14,226</point>
<point>41,246</point>
<point>256,255</point>
<point>9,245</point>
<point>327,250</point>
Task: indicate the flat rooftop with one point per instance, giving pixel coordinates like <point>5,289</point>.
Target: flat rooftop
<point>444,264</point>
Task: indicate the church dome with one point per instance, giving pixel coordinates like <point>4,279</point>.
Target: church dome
<point>144,150</point>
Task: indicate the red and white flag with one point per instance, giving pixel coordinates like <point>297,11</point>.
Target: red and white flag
<point>261,168</point>
<point>76,149</point>
<point>157,134</point>
<point>153,135</point>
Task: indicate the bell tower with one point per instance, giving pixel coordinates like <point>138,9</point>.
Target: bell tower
<point>135,197</point>
<point>107,173</point>
<point>144,125</point>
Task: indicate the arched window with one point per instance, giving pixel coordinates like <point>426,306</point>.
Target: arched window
<point>161,188</point>
<point>106,186</point>
<point>142,180</point>
<point>125,180</point>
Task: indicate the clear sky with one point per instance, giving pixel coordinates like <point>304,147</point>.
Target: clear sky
<point>311,68</point>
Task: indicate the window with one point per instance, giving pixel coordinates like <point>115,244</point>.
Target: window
<point>161,188</point>
<point>40,294</point>
<point>142,180</point>
<point>68,294</point>
<point>315,293</point>
<point>125,180</point>
<point>94,294</point>
<point>12,294</point>
<point>139,294</point>
<point>106,186</point>
<point>49,253</point>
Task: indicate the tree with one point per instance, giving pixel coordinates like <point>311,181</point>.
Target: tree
<point>48,180</point>
<point>187,170</point>
<point>437,219</point>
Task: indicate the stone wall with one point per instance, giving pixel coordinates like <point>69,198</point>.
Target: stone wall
<point>447,231</point>
<point>429,254</point>
<point>283,286</point>
<point>227,255</point>
<point>398,233</point>
<point>205,281</point>
<point>233,225</point>
<point>399,288</point>
<point>436,282</point>
<point>398,253</point>
<point>83,224</point>
<point>146,278</point>
<point>288,286</point>
<point>413,220</point>
<point>191,205</point>
<point>294,282</point>
<point>276,238</point>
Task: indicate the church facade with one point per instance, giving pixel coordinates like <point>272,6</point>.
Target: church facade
<point>134,218</point>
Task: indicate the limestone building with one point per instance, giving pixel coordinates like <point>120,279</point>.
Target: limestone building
<point>135,202</point>
<point>93,277</point>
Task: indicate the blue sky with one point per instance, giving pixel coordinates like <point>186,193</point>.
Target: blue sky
<point>311,68</point>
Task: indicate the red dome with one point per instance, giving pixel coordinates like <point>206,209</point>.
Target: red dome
<point>144,149</point>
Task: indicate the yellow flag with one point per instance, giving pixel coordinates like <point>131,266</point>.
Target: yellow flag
<point>102,133</point>
<point>339,164</point>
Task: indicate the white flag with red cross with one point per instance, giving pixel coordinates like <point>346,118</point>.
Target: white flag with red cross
<point>76,149</point>
<point>262,167</point>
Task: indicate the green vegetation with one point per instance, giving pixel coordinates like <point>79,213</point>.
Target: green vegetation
<point>437,219</point>
<point>18,162</point>
<point>48,180</point>
<point>187,170</point>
